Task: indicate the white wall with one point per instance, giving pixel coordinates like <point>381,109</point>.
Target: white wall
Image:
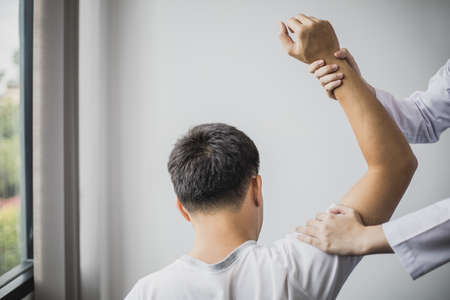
<point>94,111</point>
<point>151,69</point>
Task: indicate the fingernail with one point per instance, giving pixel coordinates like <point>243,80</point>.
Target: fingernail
<point>340,75</point>
<point>335,67</point>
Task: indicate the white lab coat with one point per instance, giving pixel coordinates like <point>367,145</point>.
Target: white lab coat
<point>424,115</point>
<point>421,239</point>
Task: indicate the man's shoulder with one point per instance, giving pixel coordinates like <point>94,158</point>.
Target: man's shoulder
<point>165,272</point>
<point>290,244</point>
<point>146,284</point>
<point>294,253</point>
<point>306,264</point>
<point>289,250</point>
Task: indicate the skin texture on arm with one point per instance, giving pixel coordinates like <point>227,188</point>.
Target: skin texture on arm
<point>391,163</point>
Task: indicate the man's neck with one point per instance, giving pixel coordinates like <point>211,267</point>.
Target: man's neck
<point>217,235</point>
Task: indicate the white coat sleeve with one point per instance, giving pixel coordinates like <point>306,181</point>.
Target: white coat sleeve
<point>424,115</point>
<point>421,240</point>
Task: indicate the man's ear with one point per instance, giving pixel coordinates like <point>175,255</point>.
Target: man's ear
<point>183,211</point>
<point>257,190</point>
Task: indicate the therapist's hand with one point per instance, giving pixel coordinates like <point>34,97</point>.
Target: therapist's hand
<point>329,76</point>
<point>341,231</point>
<point>312,38</point>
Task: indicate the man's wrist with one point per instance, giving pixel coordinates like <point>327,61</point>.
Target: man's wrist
<point>329,58</point>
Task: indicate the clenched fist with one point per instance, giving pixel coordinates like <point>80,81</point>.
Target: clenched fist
<point>314,38</point>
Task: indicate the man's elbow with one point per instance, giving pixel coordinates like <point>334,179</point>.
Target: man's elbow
<point>403,166</point>
<point>407,165</point>
<point>411,164</point>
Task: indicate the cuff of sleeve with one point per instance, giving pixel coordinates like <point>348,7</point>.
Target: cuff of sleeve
<point>412,237</point>
<point>402,250</point>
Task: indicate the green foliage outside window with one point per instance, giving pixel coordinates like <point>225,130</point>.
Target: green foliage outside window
<point>9,232</point>
<point>9,180</point>
<point>9,148</point>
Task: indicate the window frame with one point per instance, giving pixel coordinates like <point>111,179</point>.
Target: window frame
<point>19,282</point>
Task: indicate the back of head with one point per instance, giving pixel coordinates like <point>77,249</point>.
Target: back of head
<point>211,167</point>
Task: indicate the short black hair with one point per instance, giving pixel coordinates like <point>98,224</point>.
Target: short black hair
<point>211,167</point>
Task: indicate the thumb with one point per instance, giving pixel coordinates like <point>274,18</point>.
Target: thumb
<point>343,53</point>
<point>285,39</point>
<point>341,209</point>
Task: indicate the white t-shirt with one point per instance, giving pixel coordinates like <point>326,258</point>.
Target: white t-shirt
<point>289,269</point>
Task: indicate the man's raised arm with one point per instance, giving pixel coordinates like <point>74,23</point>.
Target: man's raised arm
<point>391,163</point>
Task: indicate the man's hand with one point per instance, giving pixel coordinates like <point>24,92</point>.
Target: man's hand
<point>314,38</point>
<point>341,231</point>
<point>329,76</point>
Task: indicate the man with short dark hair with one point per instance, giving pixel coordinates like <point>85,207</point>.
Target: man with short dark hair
<point>212,166</point>
<point>214,170</point>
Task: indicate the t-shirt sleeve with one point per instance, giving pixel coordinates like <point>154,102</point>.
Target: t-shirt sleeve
<point>318,274</point>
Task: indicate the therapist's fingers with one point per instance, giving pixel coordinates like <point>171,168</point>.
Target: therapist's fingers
<point>326,79</point>
<point>314,66</point>
<point>327,75</point>
<point>330,87</point>
<point>313,223</point>
<point>308,230</point>
<point>326,70</point>
<point>321,216</point>
<point>309,240</point>
<point>321,70</point>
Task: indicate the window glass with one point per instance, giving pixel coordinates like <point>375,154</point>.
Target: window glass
<point>10,157</point>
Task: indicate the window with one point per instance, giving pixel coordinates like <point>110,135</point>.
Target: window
<point>15,148</point>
